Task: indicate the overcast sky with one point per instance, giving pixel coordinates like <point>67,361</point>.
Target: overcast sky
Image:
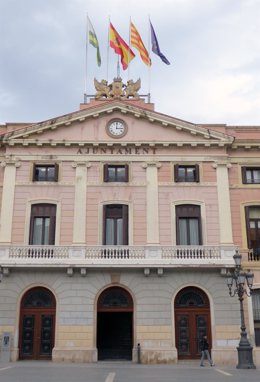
<point>213,47</point>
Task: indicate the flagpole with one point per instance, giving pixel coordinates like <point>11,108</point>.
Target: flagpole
<point>150,66</point>
<point>129,43</point>
<point>86,63</point>
<point>108,40</point>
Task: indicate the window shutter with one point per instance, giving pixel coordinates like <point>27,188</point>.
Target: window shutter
<point>105,172</point>
<point>126,173</point>
<point>34,173</point>
<point>104,225</point>
<point>56,172</point>
<point>125,224</point>
<point>243,175</point>
<point>197,173</point>
<point>176,171</point>
<point>247,224</point>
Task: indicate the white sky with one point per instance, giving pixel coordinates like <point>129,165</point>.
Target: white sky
<point>213,47</point>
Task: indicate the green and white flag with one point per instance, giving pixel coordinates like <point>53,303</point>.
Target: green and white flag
<point>92,38</point>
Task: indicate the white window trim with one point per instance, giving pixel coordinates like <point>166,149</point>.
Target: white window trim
<point>29,205</point>
<point>203,219</point>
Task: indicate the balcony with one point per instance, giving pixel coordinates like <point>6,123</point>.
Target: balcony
<point>116,256</point>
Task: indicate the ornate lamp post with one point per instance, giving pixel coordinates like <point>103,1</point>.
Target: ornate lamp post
<point>238,283</point>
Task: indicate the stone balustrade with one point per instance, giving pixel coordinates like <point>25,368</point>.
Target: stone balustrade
<point>126,256</point>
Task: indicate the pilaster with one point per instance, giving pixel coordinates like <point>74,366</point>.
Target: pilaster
<point>225,221</point>
<point>8,200</point>
<point>80,202</point>
<point>152,204</point>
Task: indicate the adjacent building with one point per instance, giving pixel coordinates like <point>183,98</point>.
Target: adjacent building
<point>118,226</point>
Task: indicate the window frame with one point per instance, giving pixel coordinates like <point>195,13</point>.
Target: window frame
<point>116,166</point>
<point>188,211</point>
<point>251,169</point>
<point>46,166</point>
<point>177,178</point>
<point>247,215</point>
<point>43,210</point>
<point>109,213</point>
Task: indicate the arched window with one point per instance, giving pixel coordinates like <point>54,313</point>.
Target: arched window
<point>191,297</point>
<point>38,298</point>
<point>115,298</point>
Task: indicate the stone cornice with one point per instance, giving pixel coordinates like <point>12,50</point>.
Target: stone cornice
<point>109,108</point>
<point>67,143</point>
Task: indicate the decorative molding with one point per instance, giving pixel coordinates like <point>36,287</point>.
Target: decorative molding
<point>151,164</point>
<point>10,162</point>
<point>81,164</point>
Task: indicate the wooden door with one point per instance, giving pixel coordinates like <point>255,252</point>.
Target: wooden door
<point>37,324</point>
<point>190,328</point>
<point>37,335</point>
<point>192,321</point>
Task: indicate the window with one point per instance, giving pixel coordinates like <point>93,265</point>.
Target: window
<point>115,173</point>
<point>42,228</point>
<point>45,173</point>
<point>189,173</point>
<point>115,230</point>
<point>253,228</point>
<point>188,225</point>
<point>256,314</point>
<point>251,175</point>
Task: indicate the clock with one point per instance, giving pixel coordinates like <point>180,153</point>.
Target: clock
<point>116,128</point>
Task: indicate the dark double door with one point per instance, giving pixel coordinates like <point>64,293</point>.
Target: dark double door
<point>37,335</point>
<point>192,321</point>
<point>37,324</point>
<point>190,328</point>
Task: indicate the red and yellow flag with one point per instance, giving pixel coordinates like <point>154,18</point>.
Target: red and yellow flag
<point>120,47</point>
<point>137,42</point>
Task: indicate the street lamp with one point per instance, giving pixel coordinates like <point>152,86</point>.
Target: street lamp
<point>239,282</point>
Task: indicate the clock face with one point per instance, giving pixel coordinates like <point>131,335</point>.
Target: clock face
<point>116,128</point>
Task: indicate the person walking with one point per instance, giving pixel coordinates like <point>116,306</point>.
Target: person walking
<point>204,347</point>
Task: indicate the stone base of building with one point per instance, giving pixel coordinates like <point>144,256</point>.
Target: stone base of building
<point>225,356</point>
<point>256,356</point>
<point>74,355</point>
<point>158,356</point>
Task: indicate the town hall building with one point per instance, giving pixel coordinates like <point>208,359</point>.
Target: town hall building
<point>118,226</point>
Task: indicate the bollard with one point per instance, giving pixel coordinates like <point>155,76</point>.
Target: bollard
<point>138,353</point>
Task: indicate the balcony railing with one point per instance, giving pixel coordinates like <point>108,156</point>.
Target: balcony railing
<point>254,254</point>
<point>130,256</point>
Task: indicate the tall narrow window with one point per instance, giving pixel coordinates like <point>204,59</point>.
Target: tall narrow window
<point>115,230</point>
<point>253,228</point>
<point>188,225</point>
<point>42,228</point>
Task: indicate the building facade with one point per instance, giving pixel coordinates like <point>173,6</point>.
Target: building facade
<point>118,226</point>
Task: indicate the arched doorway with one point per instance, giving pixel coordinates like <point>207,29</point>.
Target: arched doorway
<point>37,324</point>
<point>192,321</point>
<point>115,324</point>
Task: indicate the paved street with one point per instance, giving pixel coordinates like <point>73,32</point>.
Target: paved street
<point>121,372</point>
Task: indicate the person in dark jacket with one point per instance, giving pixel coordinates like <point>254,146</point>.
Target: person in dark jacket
<point>204,347</point>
